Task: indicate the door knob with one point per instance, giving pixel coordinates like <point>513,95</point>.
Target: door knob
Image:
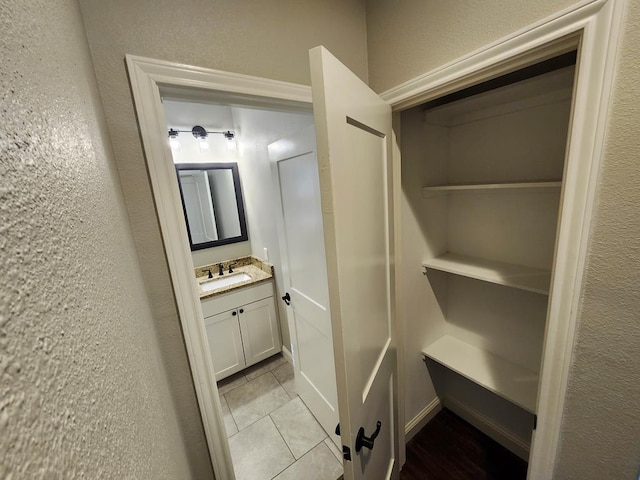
<point>242,310</point>
<point>234,313</point>
<point>287,298</point>
<point>363,441</point>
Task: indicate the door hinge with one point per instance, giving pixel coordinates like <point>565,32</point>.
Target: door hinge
<point>535,421</point>
<point>346,452</point>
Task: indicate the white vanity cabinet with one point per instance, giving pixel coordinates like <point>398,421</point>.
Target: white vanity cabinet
<point>242,328</point>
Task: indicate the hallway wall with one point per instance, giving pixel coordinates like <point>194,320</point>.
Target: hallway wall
<point>601,419</point>
<point>84,393</point>
<point>269,39</point>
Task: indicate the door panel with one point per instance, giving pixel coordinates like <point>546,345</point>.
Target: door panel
<point>300,231</point>
<point>353,126</point>
<point>260,335</point>
<point>225,343</point>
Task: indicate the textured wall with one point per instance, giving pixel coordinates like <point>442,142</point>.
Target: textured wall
<point>601,423</point>
<point>411,37</point>
<point>269,39</point>
<point>602,420</point>
<point>83,391</point>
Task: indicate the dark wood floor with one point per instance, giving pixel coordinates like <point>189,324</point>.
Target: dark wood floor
<point>448,448</point>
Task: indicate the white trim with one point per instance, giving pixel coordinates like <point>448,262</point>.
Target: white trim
<point>483,423</point>
<point>596,25</point>
<point>287,354</point>
<point>425,415</point>
<point>147,77</point>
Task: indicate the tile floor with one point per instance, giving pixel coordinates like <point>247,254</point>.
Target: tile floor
<point>272,434</point>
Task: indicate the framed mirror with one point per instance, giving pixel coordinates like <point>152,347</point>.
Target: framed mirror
<point>212,203</point>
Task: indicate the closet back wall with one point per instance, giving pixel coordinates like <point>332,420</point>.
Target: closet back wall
<point>601,419</point>
<point>245,37</point>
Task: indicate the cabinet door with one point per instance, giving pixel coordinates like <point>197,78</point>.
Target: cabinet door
<point>260,335</point>
<point>225,343</point>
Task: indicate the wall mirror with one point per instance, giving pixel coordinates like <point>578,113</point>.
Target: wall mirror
<point>212,204</point>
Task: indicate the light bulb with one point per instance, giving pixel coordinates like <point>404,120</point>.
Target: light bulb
<point>175,144</point>
<point>204,145</point>
<point>231,145</point>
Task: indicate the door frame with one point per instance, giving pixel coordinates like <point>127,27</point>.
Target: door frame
<point>593,26</point>
<point>147,77</point>
<point>597,25</point>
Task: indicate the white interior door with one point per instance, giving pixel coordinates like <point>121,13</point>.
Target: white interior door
<point>353,128</point>
<point>295,172</point>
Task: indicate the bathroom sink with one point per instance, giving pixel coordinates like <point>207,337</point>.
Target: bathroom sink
<point>224,281</point>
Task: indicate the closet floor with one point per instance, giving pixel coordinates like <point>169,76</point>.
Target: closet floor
<point>448,448</point>
<point>272,434</point>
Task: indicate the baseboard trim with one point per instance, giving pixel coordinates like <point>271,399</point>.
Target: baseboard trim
<point>287,355</point>
<point>419,421</point>
<point>487,426</point>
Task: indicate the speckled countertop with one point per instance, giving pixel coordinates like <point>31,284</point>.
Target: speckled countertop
<point>258,270</point>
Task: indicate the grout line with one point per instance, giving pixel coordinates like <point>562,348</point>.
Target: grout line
<point>287,445</point>
<point>233,419</point>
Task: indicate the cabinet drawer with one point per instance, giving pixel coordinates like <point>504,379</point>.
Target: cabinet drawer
<point>229,301</point>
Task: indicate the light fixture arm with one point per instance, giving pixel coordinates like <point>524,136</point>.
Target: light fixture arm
<point>199,132</point>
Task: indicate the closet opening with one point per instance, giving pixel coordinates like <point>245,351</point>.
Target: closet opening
<point>482,179</point>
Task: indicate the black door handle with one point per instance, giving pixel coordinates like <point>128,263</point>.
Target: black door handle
<point>242,310</point>
<point>363,441</point>
<point>287,298</point>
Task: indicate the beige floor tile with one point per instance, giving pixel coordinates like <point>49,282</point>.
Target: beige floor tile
<point>264,366</point>
<point>334,449</point>
<point>284,374</point>
<point>229,383</point>
<point>258,452</point>
<point>298,427</point>
<point>229,422</point>
<point>318,464</point>
<point>257,398</point>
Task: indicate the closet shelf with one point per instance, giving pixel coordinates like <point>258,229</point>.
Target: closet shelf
<point>510,275</point>
<point>429,191</point>
<point>516,384</point>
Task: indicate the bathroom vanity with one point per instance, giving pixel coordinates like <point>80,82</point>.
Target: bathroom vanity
<point>239,313</point>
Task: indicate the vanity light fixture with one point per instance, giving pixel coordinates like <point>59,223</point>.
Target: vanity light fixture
<point>173,140</point>
<point>201,134</point>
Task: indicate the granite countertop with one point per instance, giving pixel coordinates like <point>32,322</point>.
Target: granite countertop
<point>258,270</point>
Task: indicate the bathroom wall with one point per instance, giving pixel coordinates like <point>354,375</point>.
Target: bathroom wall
<point>601,420</point>
<point>260,128</point>
<point>84,391</point>
<point>182,115</point>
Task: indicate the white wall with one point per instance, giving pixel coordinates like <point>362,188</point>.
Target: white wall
<point>84,391</point>
<point>260,128</point>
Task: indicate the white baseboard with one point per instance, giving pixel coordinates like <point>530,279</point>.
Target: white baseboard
<point>504,437</point>
<point>419,421</point>
<point>287,355</point>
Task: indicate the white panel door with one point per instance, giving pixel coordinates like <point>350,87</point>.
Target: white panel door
<point>225,343</point>
<point>259,327</point>
<point>353,128</point>
<point>295,172</point>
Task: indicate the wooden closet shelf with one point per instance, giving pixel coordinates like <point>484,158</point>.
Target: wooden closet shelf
<point>510,275</point>
<point>512,382</point>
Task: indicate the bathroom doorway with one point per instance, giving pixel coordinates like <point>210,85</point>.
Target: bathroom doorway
<point>280,412</point>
